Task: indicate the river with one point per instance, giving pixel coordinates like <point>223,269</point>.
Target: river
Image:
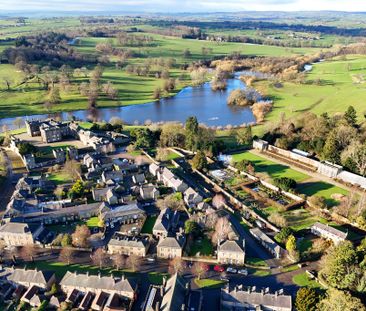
<point>208,106</point>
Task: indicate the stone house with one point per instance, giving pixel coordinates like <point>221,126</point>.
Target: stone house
<point>267,242</point>
<point>128,245</point>
<point>170,247</point>
<point>29,278</point>
<point>231,252</point>
<point>105,194</point>
<point>328,232</point>
<point>18,234</point>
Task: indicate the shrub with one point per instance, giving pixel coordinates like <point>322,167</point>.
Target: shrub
<point>285,183</point>
<point>317,202</point>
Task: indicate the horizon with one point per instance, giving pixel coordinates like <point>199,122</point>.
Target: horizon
<point>85,7</point>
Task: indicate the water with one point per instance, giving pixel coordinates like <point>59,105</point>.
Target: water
<point>208,106</point>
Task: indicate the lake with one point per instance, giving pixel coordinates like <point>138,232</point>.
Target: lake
<point>208,106</point>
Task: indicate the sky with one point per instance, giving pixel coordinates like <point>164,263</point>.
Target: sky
<point>181,5</point>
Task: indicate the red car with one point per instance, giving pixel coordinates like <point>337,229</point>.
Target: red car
<point>219,268</point>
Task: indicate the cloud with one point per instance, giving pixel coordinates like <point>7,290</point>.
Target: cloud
<point>180,5</point>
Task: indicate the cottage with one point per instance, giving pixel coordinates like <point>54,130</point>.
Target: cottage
<point>96,283</point>
<point>116,176</point>
<point>138,179</point>
<point>267,242</point>
<point>328,232</point>
<point>231,252</point>
<point>166,221</point>
<point>128,245</point>
<point>154,169</point>
<point>29,278</point>
<point>242,298</point>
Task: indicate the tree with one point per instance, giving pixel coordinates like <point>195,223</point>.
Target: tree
<point>291,247</point>
<point>134,262</point>
<point>119,261</point>
<point>72,169</point>
<point>351,116</point>
<point>285,183</point>
<point>28,251</point>
<point>317,202</point>
<point>339,266</point>
<point>199,269</point>
<point>331,148</point>
<point>284,234</point>
<point>356,153</point>
<point>7,82</point>
<point>54,96</point>
<point>172,135</point>
<point>244,135</point>
<point>66,240</point>
<point>306,299</point>
<point>218,201</point>
<point>199,161</point>
<point>222,230</point>
<point>172,201</point>
<point>157,93</point>
<point>67,255</point>
<point>278,220</point>
<point>26,148</point>
<point>77,189</point>
<point>80,236</point>
<point>187,53</point>
<point>99,258</point>
<point>176,265</point>
<point>337,300</point>
<point>192,128</point>
<point>18,122</point>
<point>191,227</point>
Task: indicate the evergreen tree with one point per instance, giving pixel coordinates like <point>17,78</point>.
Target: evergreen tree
<point>351,116</point>
<point>331,150</point>
<point>306,299</point>
<point>192,131</point>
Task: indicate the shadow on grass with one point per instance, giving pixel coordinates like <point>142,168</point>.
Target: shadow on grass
<point>313,188</point>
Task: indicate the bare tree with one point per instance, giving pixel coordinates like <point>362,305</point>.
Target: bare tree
<point>73,169</point>
<point>80,236</point>
<point>7,82</point>
<point>176,265</point>
<point>18,122</point>
<point>67,255</point>
<point>199,269</point>
<point>218,201</point>
<point>99,258</point>
<point>222,230</point>
<point>119,261</point>
<point>133,262</point>
<point>28,251</point>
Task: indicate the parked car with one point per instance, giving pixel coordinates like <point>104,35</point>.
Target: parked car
<point>231,270</point>
<point>243,272</point>
<point>150,259</point>
<point>218,268</point>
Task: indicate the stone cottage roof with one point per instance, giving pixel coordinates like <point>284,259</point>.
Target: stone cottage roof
<point>231,246</point>
<point>330,230</point>
<point>170,242</point>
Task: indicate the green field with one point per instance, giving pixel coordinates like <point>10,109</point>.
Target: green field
<point>274,170</point>
<point>337,90</point>
<point>29,98</point>
<point>148,225</point>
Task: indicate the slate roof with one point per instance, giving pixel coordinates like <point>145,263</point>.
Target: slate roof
<point>329,229</point>
<point>174,294</point>
<point>269,300</point>
<point>27,276</point>
<point>170,242</point>
<point>125,240</point>
<point>96,282</point>
<point>231,246</point>
<point>15,227</point>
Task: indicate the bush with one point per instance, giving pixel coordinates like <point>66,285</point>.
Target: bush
<point>285,183</point>
<point>317,202</point>
<point>283,235</point>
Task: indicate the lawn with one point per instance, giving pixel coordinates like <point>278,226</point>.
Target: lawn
<point>303,279</point>
<point>259,272</point>
<point>203,247</point>
<point>209,283</point>
<point>253,261</point>
<point>157,278</point>
<point>323,189</point>
<point>274,170</point>
<point>60,178</point>
<point>93,222</point>
<point>61,268</point>
<point>148,225</point>
<point>290,268</point>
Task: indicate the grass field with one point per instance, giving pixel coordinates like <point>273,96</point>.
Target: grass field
<point>209,283</point>
<point>274,170</point>
<point>337,90</point>
<point>203,247</point>
<point>60,178</point>
<point>302,279</point>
